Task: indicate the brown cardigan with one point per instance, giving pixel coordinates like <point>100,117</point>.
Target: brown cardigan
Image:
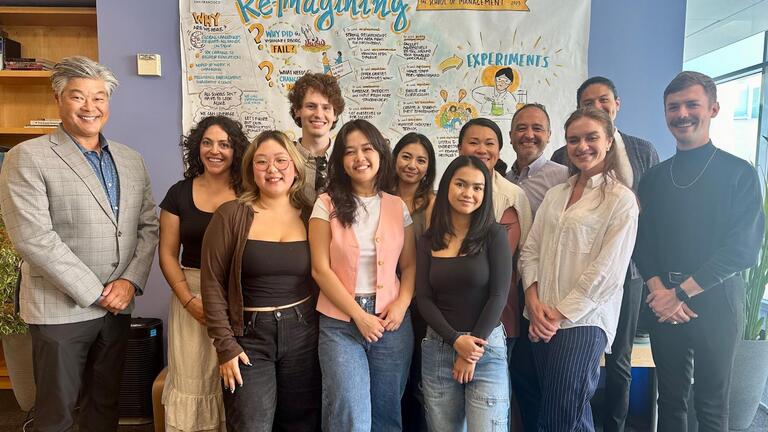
<point>220,265</point>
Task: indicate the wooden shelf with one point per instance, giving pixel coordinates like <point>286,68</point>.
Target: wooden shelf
<point>48,16</point>
<point>5,381</point>
<point>32,132</point>
<point>25,77</point>
<point>50,33</point>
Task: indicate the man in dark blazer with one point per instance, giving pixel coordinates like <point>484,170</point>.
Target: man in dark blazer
<point>79,210</point>
<point>635,155</point>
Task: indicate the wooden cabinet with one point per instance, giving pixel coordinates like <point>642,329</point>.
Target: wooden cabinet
<point>47,32</point>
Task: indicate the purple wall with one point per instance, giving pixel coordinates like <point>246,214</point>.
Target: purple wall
<point>145,111</point>
<point>637,44</point>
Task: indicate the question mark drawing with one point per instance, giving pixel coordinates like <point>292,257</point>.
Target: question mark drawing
<point>259,33</point>
<point>266,64</point>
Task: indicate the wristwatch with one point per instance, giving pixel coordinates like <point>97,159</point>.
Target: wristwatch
<point>681,294</point>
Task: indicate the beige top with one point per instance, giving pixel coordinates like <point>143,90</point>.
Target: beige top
<point>310,169</point>
<point>507,194</point>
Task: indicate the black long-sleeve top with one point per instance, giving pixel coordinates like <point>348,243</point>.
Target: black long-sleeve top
<point>710,230</point>
<point>465,293</point>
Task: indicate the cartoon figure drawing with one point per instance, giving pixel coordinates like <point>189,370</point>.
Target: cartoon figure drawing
<point>497,100</point>
<point>326,64</point>
<point>339,58</point>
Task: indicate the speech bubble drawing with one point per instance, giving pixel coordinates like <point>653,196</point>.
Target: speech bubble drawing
<point>256,122</point>
<point>220,98</point>
<point>207,112</point>
<point>417,48</point>
<point>363,112</point>
<point>410,72</point>
<point>423,107</point>
<point>373,74</point>
<point>417,89</point>
<point>362,35</point>
<point>370,94</point>
<point>380,55</point>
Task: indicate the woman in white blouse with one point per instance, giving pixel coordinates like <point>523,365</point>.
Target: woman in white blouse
<point>573,266</point>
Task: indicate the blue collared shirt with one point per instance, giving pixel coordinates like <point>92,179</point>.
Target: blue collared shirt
<point>106,171</point>
<point>537,178</point>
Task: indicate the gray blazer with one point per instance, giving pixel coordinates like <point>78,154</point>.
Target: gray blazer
<point>59,219</point>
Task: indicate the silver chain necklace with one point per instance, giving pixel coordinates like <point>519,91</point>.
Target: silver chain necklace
<point>672,176</point>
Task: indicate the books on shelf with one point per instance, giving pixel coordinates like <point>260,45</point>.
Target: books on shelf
<point>44,123</point>
<point>22,63</point>
<point>9,48</point>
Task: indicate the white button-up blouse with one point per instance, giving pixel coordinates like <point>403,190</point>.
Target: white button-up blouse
<point>579,255</point>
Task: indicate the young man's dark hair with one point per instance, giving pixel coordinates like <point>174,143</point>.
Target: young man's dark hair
<point>596,80</point>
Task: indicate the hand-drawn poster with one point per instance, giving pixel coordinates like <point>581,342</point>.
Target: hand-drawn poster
<point>405,65</point>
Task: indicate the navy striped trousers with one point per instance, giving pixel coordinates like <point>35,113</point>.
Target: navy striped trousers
<point>568,368</point>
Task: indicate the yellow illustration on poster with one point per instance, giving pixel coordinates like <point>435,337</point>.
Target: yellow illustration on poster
<point>405,65</point>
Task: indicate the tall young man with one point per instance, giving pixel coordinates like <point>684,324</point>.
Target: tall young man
<point>316,104</point>
<point>701,224</point>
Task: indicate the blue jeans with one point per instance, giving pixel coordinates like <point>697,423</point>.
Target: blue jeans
<point>481,405</point>
<point>363,382</point>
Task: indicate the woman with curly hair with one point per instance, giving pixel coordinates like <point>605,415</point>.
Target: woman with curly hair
<point>359,235</point>
<point>213,151</point>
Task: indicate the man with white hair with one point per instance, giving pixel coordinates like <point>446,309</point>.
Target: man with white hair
<point>79,210</point>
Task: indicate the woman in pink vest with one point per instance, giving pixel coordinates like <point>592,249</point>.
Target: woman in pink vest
<point>358,236</point>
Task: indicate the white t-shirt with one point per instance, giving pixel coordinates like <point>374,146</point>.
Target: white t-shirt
<point>367,221</point>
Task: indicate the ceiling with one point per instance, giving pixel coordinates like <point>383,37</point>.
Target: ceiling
<point>712,24</point>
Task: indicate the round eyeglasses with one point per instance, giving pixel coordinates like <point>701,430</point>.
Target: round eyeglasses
<point>281,163</point>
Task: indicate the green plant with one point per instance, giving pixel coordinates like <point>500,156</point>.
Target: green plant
<point>10,321</point>
<point>756,279</point>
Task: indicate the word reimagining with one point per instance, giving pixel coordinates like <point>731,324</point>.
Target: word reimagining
<point>325,11</point>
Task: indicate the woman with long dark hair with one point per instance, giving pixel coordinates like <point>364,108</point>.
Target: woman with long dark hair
<point>415,170</point>
<point>212,154</point>
<point>257,292</point>
<point>573,266</point>
<point>360,235</point>
<point>464,271</point>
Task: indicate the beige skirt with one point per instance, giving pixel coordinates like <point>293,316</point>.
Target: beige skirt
<point>192,392</point>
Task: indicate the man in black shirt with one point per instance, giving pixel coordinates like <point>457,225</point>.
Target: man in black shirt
<point>701,224</point>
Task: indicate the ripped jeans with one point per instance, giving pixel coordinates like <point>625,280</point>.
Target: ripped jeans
<point>480,405</point>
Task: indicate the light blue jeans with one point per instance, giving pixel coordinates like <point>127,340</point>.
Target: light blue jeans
<point>482,405</point>
<point>363,382</point>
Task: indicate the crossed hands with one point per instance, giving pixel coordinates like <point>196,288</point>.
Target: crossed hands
<point>545,321</point>
<point>667,307</point>
<point>117,295</point>
<point>469,350</point>
<point>372,327</point>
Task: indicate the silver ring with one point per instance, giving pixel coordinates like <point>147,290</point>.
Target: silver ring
<point>674,322</point>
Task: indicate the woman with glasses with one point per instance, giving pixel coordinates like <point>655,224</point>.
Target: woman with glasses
<point>360,235</point>
<point>415,167</point>
<point>257,292</point>
<point>212,154</point>
<point>573,264</point>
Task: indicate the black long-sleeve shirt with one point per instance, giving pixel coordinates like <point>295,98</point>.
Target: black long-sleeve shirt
<point>466,293</point>
<point>710,230</point>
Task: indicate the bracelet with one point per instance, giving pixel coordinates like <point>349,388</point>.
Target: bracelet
<point>190,301</point>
